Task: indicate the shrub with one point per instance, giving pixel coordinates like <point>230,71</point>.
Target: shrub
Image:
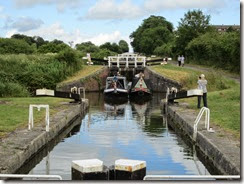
<point>214,49</point>
<point>15,46</point>
<point>12,89</point>
<point>30,72</point>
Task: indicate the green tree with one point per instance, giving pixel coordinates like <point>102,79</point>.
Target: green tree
<point>15,46</point>
<point>154,32</point>
<point>194,24</point>
<point>112,47</point>
<point>87,47</point>
<point>124,47</point>
<point>214,49</point>
<point>52,47</point>
<point>28,39</point>
<point>103,53</point>
<point>39,41</point>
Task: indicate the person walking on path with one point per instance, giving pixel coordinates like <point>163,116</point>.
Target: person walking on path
<point>202,84</point>
<point>179,60</point>
<point>182,60</point>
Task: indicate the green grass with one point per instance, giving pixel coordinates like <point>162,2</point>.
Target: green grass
<point>14,111</point>
<point>223,95</point>
<point>188,77</point>
<point>84,72</point>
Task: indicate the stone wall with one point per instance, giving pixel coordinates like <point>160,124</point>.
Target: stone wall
<point>223,153</point>
<point>22,145</point>
<point>92,83</point>
<point>158,82</point>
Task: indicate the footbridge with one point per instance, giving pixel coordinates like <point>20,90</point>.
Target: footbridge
<point>127,63</point>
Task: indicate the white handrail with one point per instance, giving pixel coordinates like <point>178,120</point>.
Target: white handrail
<point>57,177</point>
<point>207,118</point>
<point>31,116</point>
<point>190,177</point>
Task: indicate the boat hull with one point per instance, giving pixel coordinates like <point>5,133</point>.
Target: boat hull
<point>140,96</point>
<point>116,93</point>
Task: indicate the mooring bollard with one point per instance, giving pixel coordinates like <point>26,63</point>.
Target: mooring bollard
<point>130,169</point>
<point>90,169</point>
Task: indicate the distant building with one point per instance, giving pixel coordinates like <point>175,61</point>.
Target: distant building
<point>224,28</point>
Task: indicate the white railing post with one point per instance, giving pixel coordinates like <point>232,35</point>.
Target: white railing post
<point>207,123</point>
<point>31,116</point>
<point>118,62</point>
<point>47,118</point>
<point>30,124</point>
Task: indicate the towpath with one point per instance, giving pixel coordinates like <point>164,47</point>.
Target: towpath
<point>208,69</point>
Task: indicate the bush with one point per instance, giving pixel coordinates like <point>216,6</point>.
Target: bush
<point>52,47</point>
<point>15,46</point>
<point>10,89</point>
<point>20,73</point>
<point>214,49</point>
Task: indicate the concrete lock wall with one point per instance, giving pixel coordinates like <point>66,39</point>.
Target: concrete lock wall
<point>221,152</point>
<point>160,83</point>
<point>92,83</point>
<point>22,145</point>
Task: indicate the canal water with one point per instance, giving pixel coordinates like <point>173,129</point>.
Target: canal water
<point>129,130</point>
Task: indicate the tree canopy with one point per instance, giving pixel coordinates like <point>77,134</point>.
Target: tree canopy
<point>15,46</point>
<point>87,47</point>
<point>124,47</point>
<point>194,24</point>
<point>154,32</point>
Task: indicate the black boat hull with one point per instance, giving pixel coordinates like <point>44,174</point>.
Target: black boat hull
<point>140,97</point>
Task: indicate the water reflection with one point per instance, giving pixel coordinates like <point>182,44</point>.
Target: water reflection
<point>127,130</point>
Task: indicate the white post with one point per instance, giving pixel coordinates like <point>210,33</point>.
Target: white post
<point>109,62</point>
<point>127,62</point>
<point>207,119</point>
<point>118,62</point>
<point>31,116</point>
<point>47,119</point>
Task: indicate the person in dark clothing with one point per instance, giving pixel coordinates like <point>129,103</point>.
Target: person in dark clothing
<point>179,60</point>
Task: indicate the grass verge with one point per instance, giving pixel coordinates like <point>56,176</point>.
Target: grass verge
<point>84,72</point>
<point>223,95</point>
<point>14,112</point>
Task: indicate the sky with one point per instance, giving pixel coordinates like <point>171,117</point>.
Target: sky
<point>101,21</point>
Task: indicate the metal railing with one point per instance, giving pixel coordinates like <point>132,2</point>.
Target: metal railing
<point>207,118</point>
<point>192,177</point>
<point>31,116</point>
<point>24,176</point>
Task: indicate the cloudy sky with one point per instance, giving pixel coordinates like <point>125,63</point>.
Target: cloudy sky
<point>100,21</point>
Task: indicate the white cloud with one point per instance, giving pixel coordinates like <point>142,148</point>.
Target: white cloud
<point>23,24</point>
<point>109,9</point>
<point>60,4</point>
<point>56,31</point>
<point>106,37</point>
<point>159,5</point>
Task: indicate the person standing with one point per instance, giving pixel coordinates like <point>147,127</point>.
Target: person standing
<point>166,60</point>
<point>202,84</point>
<point>179,60</point>
<point>182,60</point>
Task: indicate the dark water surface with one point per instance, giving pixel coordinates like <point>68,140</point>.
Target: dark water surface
<point>132,131</point>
